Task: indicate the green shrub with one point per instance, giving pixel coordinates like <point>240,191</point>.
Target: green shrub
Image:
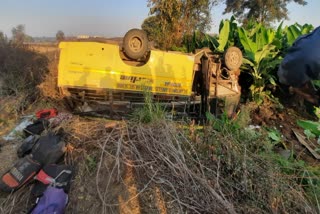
<point>149,112</point>
<point>253,176</point>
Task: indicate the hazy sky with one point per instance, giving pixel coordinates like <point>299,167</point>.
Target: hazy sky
<point>104,17</point>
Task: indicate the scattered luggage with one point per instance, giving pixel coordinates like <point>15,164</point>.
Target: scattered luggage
<point>36,128</point>
<point>27,145</point>
<point>58,176</point>
<point>40,153</point>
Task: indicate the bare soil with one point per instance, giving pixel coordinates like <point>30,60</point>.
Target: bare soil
<point>284,119</point>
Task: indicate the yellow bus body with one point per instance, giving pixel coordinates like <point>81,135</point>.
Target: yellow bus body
<point>96,65</point>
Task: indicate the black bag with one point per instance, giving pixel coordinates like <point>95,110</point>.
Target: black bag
<point>48,149</point>
<point>27,145</point>
<point>36,128</point>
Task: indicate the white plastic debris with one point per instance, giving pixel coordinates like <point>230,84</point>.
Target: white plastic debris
<point>252,127</point>
<point>18,129</point>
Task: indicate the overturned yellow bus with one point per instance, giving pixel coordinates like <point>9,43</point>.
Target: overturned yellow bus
<point>115,74</point>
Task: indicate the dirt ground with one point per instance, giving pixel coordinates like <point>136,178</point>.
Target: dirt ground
<point>83,197</point>
<point>284,119</point>
<point>124,195</point>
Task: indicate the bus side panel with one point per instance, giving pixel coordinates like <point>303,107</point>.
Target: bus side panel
<point>99,66</point>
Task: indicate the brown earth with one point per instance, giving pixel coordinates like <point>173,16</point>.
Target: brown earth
<point>284,119</point>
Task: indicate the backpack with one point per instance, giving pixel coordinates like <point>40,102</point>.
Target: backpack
<point>53,201</point>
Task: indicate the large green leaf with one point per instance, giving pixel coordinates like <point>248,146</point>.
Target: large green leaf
<point>292,34</point>
<point>278,37</point>
<point>248,45</point>
<point>279,32</point>
<point>247,61</point>
<point>270,36</point>
<point>258,39</point>
<point>316,83</point>
<point>266,51</point>
<point>266,68</point>
<point>314,127</point>
<point>273,63</point>
<point>224,35</point>
<point>256,29</point>
<point>306,28</point>
<point>212,41</point>
<point>232,19</point>
<point>298,26</point>
<point>263,37</point>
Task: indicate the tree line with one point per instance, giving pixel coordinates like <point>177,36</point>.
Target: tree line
<point>172,20</point>
<point>19,36</point>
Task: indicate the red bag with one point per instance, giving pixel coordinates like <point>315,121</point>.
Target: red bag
<point>47,113</point>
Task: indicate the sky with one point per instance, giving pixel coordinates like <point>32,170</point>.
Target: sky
<point>109,18</point>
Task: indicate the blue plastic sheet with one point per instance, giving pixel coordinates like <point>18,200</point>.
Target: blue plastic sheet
<point>302,62</point>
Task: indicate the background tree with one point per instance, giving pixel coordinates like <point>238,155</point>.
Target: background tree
<point>18,34</point>
<point>28,38</point>
<point>3,38</point>
<point>151,25</point>
<point>176,18</point>
<point>264,11</point>
<point>60,36</point>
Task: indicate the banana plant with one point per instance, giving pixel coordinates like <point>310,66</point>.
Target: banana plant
<point>223,35</point>
<point>228,35</point>
<point>286,36</point>
<point>197,41</point>
<point>216,43</point>
<point>295,31</point>
<point>263,48</point>
<point>260,59</point>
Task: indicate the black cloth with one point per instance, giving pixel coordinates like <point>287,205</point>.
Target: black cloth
<point>27,145</point>
<point>48,149</point>
<point>36,128</point>
<point>302,62</point>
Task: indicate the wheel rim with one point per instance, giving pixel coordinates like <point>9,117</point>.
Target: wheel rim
<point>135,44</point>
<point>234,59</point>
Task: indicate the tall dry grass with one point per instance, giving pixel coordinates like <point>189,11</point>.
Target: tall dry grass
<point>21,71</point>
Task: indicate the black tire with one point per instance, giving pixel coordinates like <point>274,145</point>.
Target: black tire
<point>135,44</point>
<point>233,58</point>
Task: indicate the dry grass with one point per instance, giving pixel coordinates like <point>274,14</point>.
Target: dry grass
<point>129,166</point>
<point>18,202</point>
<point>48,87</point>
<point>155,155</point>
<point>21,71</point>
<point>126,167</point>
